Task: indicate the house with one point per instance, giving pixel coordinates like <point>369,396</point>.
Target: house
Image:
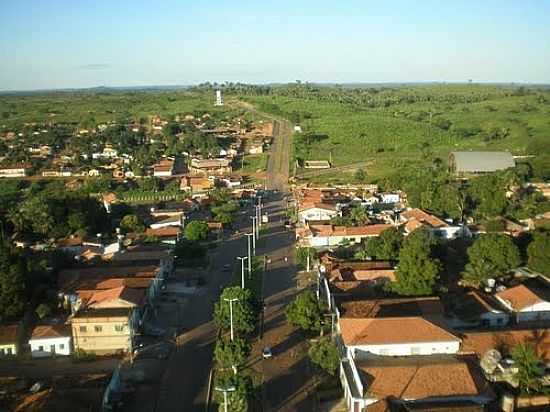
<point>170,221</point>
<point>164,168</point>
<point>168,235</point>
<point>9,340</point>
<point>386,383</point>
<point>389,198</point>
<point>196,184</point>
<point>318,212</point>
<point>14,170</point>
<point>320,236</point>
<point>479,342</point>
<point>348,277</point>
<point>413,219</point>
<point>528,301</point>
<point>50,340</point>
<point>119,297</point>
<point>461,163</point>
<point>395,336</point>
<point>478,309</point>
<point>104,331</point>
<point>210,167</point>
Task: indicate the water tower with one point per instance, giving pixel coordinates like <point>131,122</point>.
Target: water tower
<point>219,98</point>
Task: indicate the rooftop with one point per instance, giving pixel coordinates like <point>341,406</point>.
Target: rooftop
<point>50,331</point>
<point>420,377</point>
<point>389,308</point>
<point>8,334</point>
<point>421,216</point>
<point>525,295</point>
<point>381,331</point>
<point>102,313</point>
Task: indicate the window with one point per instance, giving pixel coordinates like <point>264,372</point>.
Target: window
<point>41,348</point>
<point>82,329</point>
<point>61,346</point>
<point>98,328</point>
<point>119,328</point>
<point>8,351</point>
<point>52,348</point>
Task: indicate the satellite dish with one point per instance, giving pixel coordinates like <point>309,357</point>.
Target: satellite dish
<point>490,360</point>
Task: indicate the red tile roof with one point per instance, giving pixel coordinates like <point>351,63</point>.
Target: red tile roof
<point>380,331</point>
<point>50,331</point>
<point>520,297</point>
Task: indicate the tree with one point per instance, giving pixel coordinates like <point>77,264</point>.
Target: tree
<point>43,311</point>
<point>324,354</point>
<point>418,269</point>
<point>391,241</point>
<point>304,312</point>
<point>539,253</point>
<point>491,255</point>
<point>196,230</point>
<point>244,310</point>
<point>529,372</point>
<point>230,354</point>
<point>238,399</point>
<point>360,175</point>
<point>359,215</point>
<point>13,274</point>
<point>301,256</point>
<point>132,223</point>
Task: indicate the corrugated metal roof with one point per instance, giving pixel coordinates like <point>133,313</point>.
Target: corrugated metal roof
<point>482,161</point>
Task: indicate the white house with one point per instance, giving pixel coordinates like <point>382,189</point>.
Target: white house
<point>175,220</point>
<point>318,211</point>
<point>395,336</point>
<point>320,236</point>
<point>389,197</point>
<point>51,340</point>
<point>14,171</point>
<point>529,301</point>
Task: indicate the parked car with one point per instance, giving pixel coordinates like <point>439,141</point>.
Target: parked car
<point>267,353</point>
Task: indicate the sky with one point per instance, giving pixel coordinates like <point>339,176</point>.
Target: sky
<point>88,43</point>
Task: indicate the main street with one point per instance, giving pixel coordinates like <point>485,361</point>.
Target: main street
<point>184,384</point>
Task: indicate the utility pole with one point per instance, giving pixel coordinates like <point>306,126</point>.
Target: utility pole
<point>242,259</point>
<point>231,314</point>
<point>254,231</point>
<point>307,260</point>
<point>225,392</point>
<point>248,242</point>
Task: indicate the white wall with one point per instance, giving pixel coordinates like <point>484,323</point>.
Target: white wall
<point>538,311</point>
<point>317,214</point>
<point>62,346</point>
<point>405,349</point>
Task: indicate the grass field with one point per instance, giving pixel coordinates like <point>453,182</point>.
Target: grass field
<point>410,126</point>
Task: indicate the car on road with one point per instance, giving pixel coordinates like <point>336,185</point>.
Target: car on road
<point>267,353</point>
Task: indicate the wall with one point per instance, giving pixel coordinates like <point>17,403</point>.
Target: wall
<point>62,347</point>
<point>406,349</point>
<point>108,340</point>
<point>4,349</point>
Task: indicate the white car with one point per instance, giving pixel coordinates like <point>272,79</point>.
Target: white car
<point>266,353</point>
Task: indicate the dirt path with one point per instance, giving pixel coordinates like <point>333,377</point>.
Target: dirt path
<point>279,155</point>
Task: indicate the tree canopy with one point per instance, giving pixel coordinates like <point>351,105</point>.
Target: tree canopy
<point>490,256</point>
<point>324,354</point>
<point>418,269</point>
<point>529,370</point>
<point>539,253</point>
<point>13,273</point>
<point>304,311</point>
<point>196,230</point>
<point>231,353</point>
<point>384,247</point>
<point>244,310</point>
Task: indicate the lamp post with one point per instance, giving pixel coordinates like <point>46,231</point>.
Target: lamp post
<point>231,313</point>
<point>242,259</point>
<point>225,392</point>
<point>249,253</point>
<point>254,224</point>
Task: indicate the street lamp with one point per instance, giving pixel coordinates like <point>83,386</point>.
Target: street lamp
<point>231,313</point>
<point>254,227</point>
<point>225,391</point>
<point>249,252</point>
<point>242,259</point>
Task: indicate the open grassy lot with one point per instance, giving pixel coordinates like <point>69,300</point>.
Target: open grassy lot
<point>391,128</point>
<point>88,108</point>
